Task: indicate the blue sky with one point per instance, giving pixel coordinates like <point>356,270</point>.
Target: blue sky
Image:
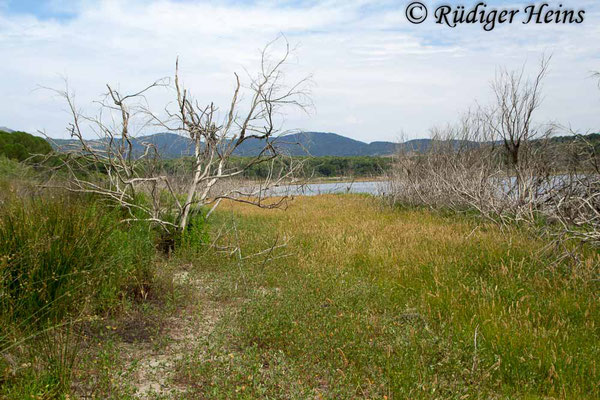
<point>41,9</point>
<point>376,77</point>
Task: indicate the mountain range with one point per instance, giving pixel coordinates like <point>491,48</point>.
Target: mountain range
<point>316,144</point>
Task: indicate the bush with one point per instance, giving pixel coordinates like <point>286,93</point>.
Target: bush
<point>62,258</point>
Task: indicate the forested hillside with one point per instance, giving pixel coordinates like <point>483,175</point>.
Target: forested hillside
<point>21,145</point>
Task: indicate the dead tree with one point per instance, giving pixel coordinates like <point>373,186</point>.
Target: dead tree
<point>510,120</point>
<point>127,169</point>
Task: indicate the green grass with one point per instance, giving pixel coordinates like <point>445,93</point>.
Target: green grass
<point>63,260</point>
<point>374,302</point>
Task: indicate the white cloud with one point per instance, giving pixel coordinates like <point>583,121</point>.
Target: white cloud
<point>375,74</point>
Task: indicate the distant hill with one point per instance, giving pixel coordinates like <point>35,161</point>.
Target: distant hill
<point>321,144</point>
<point>5,129</point>
<point>317,144</point>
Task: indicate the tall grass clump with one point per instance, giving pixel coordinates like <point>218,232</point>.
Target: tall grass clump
<point>63,258</point>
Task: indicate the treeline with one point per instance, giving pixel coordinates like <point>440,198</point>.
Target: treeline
<point>318,167</point>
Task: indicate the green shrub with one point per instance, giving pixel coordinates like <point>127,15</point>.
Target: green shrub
<point>62,258</point>
<point>195,237</point>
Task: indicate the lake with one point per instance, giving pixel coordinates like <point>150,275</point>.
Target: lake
<point>368,187</point>
<point>377,188</point>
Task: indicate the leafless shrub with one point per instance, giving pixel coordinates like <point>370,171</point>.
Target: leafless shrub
<point>576,203</point>
<point>498,162</point>
<point>457,170</point>
<point>134,180</point>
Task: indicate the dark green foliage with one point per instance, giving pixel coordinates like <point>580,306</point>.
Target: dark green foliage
<point>20,145</point>
<point>592,138</point>
<point>362,166</point>
<point>349,166</point>
<point>318,167</point>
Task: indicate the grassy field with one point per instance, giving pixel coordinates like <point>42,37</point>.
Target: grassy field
<point>370,302</point>
<point>364,301</point>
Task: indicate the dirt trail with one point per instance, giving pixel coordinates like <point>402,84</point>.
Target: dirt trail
<point>153,368</point>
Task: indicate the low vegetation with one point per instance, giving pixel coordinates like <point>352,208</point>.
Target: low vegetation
<point>335,297</point>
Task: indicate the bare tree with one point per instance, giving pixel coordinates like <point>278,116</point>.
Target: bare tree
<point>517,99</point>
<point>511,121</point>
<point>128,172</point>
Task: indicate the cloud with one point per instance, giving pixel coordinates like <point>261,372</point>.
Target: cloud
<point>375,74</point>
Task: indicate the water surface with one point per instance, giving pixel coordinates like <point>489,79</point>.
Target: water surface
<point>368,187</point>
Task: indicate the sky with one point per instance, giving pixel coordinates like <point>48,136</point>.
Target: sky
<point>375,76</point>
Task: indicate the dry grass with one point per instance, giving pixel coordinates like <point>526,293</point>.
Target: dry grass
<point>376,302</point>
